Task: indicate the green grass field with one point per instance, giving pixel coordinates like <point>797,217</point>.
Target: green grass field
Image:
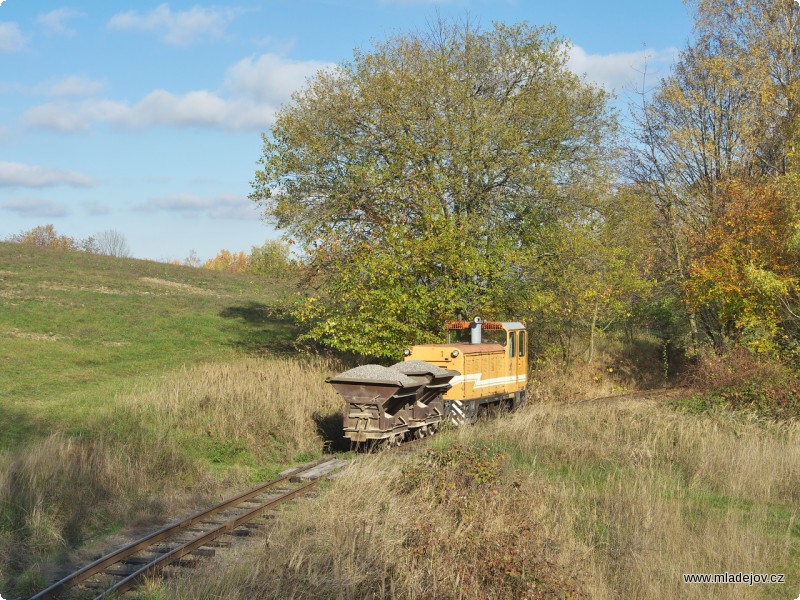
<point>76,329</point>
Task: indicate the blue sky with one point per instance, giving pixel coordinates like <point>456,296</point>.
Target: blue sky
<point>146,117</point>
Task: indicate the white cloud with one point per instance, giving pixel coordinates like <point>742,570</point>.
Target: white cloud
<point>252,91</point>
<point>11,38</point>
<point>267,78</point>
<point>56,21</point>
<point>72,86</point>
<point>35,208</point>
<point>57,117</point>
<point>222,207</point>
<point>178,28</point>
<point>33,176</point>
<point>159,108</point>
<point>176,203</point>
<point>618,70</point>
<point>234,208</point>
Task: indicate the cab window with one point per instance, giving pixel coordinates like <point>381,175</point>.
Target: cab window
<point>494,336</point>
<point>458,336</point>
<point>522,343</point>
<point>512,343</point>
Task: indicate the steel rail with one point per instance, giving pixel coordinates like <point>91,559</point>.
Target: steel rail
<point>157,565</point>
<point>55,590</point>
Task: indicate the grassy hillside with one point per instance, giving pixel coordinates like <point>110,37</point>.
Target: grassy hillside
<point>128,387</point>
<point>77,328</point>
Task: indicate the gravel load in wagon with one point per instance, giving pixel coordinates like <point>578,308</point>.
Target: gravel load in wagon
<point>412,367</point>
<point>438,380</point>
<point>375,373</point>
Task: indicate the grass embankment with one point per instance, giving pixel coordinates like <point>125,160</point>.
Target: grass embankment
<point>593,500</point>
<point>77,328</point>
<point>127,386</point>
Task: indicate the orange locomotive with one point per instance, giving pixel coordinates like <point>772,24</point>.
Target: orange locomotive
<point>492,360</point>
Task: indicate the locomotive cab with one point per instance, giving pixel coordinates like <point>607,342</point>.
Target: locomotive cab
<point>491,359</point>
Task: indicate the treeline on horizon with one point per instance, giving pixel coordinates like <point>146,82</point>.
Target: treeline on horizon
<point>272,258</point>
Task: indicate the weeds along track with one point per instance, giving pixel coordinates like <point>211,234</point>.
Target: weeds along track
<point>648,395</point>
<point>184,542</point>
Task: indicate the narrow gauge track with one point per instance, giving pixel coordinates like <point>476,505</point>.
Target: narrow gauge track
<point>119,571</point>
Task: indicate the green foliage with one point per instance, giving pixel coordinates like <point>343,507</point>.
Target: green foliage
<point>450,472</point>
<point>586,274</point>
<point>417,176</point>
<point>271,259</point>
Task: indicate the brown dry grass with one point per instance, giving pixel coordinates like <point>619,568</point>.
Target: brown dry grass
<point>602,500</point>
<point>660,494</point>
<point>64,489</point>
<point>368,538</point>
<point>275,407</point>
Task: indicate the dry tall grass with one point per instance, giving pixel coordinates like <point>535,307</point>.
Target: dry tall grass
<point>598,500</point>
<point>156,449</point>
<point>64,489</point>
<point>368,537</point>
<point>660,494</point>
<point>278,407</point>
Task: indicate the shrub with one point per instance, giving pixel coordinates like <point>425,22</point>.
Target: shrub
<point>45,236</point>
<point>742,380</point>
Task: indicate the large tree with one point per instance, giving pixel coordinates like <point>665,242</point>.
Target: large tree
<point>419,177</point>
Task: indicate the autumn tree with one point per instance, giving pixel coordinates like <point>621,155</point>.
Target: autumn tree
<point>418,177</point>
<point>745,271</point>
<point>45,236</point>
<point>231,262</point>
<point>714,154</point>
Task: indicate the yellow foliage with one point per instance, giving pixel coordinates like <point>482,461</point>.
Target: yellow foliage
<point>232,262</point>
<point>44,236</point>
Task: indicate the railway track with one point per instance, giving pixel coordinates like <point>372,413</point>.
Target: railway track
<point>195,536</point>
